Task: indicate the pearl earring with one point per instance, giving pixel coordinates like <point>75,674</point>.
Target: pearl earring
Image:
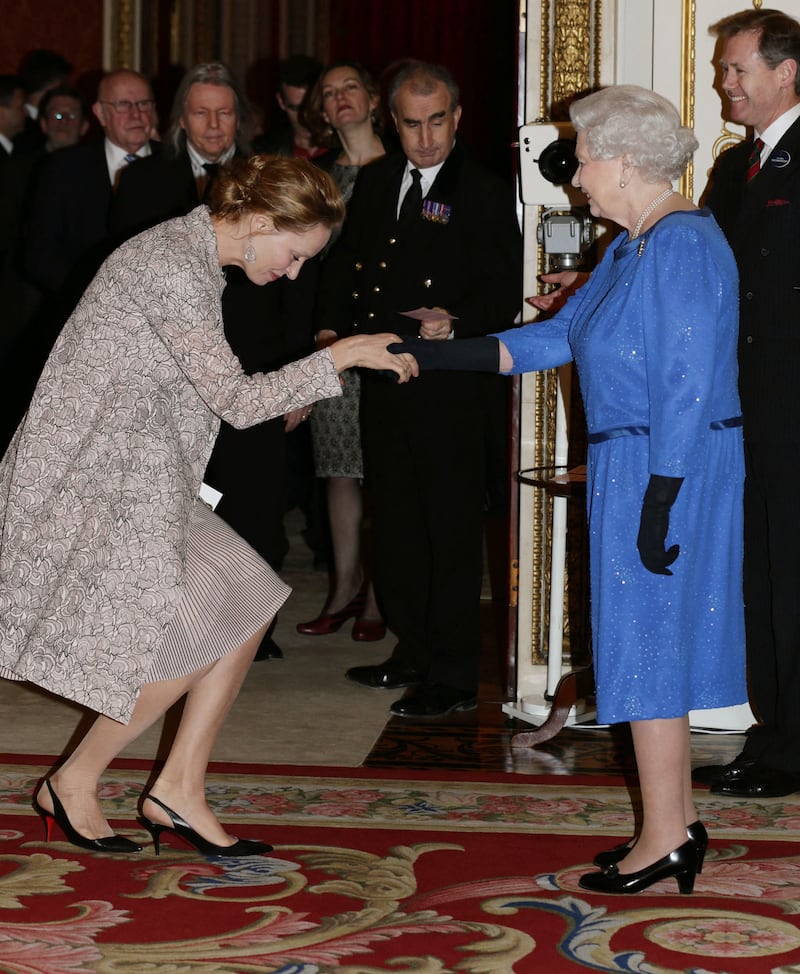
<point>622,184</point>
<point>250,253</point>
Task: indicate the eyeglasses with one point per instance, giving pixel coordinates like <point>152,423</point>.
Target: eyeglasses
<point>126,107</point>
<point>63,116</point>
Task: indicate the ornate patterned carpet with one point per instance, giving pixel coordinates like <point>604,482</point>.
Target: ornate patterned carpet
<point>392,871</point>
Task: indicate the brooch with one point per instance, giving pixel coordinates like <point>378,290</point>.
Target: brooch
<point>436,212</point>
<point>780,158</point>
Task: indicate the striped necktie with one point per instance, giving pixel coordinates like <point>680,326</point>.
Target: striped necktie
<point>129,158</point>
<point>754,160</point>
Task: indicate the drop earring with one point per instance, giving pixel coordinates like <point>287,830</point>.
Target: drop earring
<point>250,253</point>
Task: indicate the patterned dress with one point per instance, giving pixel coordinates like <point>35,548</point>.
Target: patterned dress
<point>653,334</point>
<point>335,426</point>
<point>111,572</point>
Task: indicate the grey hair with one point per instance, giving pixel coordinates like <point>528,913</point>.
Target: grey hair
<point>214,73</point>
<point>643,126</point>
<point>422,79</point>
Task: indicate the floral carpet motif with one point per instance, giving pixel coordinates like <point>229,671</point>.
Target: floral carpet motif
<point>387,871</point>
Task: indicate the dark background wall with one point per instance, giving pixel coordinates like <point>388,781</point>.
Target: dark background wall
<point>74,28</point>
<point>476,39</point>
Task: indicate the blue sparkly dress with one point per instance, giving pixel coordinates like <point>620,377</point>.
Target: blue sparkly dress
<point>653,334</point>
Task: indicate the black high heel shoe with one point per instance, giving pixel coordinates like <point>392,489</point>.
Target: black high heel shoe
<point>681,863</point>
<point>109,843</point>
<point>696,832</point>
<point>242,847</point>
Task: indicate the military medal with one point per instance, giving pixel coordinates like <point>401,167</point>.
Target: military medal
<point>436,212</point>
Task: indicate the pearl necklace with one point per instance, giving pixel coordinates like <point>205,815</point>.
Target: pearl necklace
<point>652,205</point>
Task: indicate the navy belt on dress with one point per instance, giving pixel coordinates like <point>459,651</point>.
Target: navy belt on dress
<point>612,434</point>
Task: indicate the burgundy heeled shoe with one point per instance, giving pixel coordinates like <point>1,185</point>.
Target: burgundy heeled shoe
<point>332,621</point>
<point>368,630</point>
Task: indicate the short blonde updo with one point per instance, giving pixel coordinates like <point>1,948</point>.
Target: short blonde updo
<point>295,194</point>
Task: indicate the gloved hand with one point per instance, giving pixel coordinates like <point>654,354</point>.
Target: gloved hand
<point>654,524</point>
<point>480,354</point>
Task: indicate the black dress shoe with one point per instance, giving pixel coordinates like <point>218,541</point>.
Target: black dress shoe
<point>713,774</point>
<point>682,864</point>
<point>758,782</point>
<point>268,649</point>
<point>390,675</point>
<point>696,832</point>
<point>434,700</point>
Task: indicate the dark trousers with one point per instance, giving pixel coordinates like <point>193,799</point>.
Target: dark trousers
<point>772,601</point>
<point>249,467</point>
<point>425,471</point>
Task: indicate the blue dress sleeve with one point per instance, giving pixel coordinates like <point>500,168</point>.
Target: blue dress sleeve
<point>545,344</point>
<point>538,345</point>
<point>691,287</point>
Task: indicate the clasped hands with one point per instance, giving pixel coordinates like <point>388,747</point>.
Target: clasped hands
<point>371,352</point>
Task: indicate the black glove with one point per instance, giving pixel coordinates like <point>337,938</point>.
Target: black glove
<point>460,355</point>
<point>654,524</point>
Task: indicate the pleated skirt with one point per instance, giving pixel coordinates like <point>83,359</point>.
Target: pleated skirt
<point>229,593</point>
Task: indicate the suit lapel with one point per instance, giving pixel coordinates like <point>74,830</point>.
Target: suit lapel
<point>778,171</point>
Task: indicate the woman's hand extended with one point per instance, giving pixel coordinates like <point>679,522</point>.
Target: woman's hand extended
<point>370,352</point>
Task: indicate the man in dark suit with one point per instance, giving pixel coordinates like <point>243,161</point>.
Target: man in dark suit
<point>40,70</point>
<point>14,173</point>
<point>289,137</point>
<point>755,197</point>
<point>452,247</point>
<point>67,233</point>
<point>209,124</point>
<point>265,326</point>
<point>63,118</point>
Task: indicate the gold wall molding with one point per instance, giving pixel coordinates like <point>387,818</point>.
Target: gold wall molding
<point>569,63</point>
<point>119,34</point>
<point>688,60</point>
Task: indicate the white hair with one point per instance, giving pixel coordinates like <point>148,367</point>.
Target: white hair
<point>626,120</point>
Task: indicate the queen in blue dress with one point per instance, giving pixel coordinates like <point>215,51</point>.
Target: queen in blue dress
<point>653,334</point>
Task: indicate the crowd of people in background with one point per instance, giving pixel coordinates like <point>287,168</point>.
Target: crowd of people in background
<point>82,180</point>
<point>142,257</point>
<point>418,251</point>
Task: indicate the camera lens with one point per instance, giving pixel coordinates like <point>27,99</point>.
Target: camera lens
<point>557,163</point>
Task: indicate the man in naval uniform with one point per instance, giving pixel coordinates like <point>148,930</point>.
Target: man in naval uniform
<point>427,228</point>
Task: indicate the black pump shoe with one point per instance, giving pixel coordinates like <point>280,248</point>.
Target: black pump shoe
<point>696,832</point>
<point>681,863</point>
<point>109,843</point>
<point>242,847</point>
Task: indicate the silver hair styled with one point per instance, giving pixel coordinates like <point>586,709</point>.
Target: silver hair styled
<point>630,121</point>
<point>422,78</point>
<point>213,73</point>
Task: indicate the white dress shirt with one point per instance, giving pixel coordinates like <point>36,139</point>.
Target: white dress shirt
<point>772,134</point>
<point>116,158</point>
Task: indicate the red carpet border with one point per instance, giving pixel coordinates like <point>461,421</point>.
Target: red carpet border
<point>386,871</point>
